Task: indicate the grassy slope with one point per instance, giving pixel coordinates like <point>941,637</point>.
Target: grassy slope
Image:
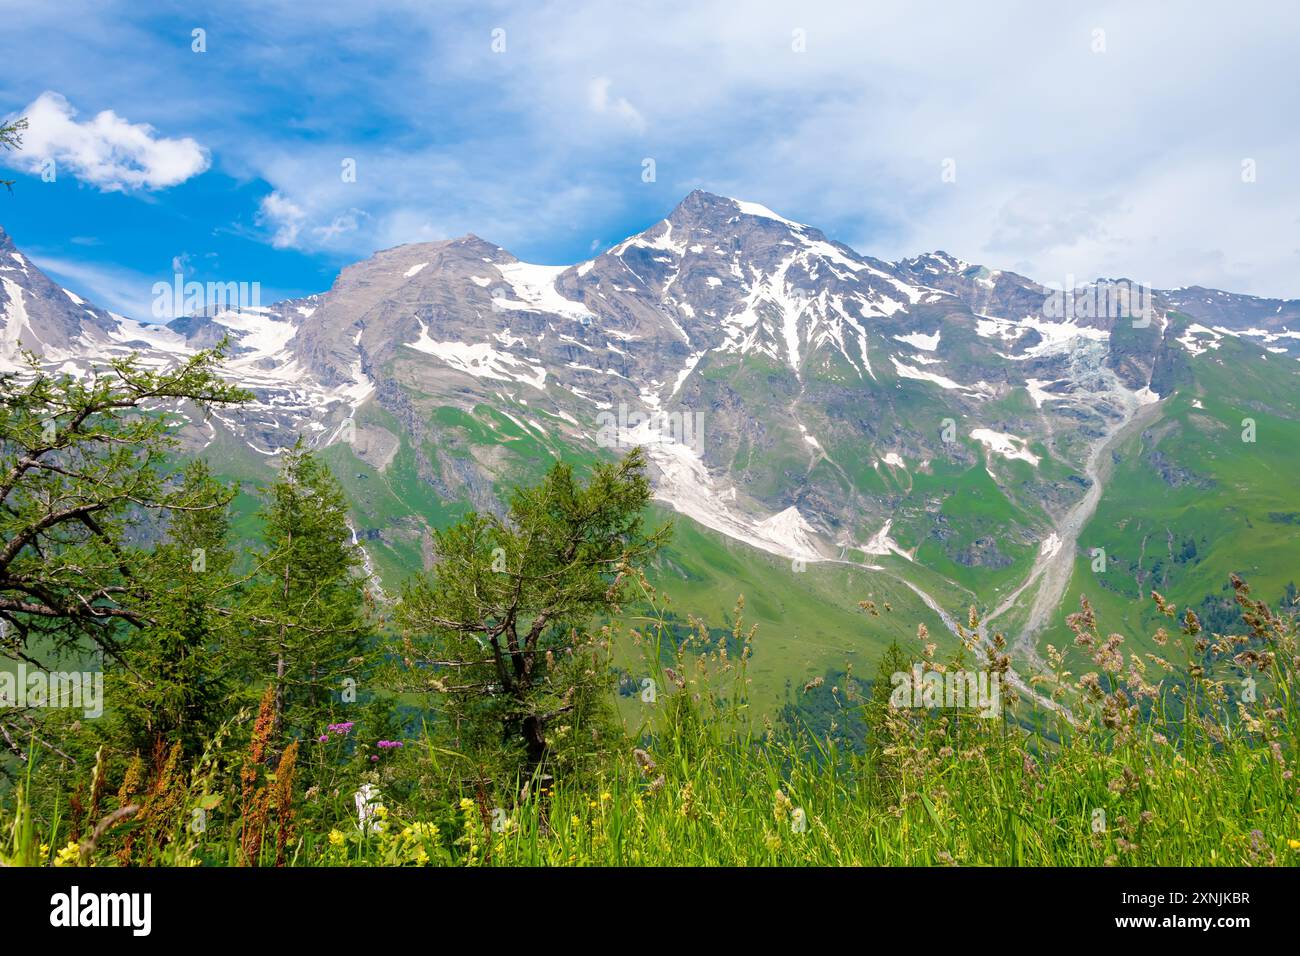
<point>809,623</point>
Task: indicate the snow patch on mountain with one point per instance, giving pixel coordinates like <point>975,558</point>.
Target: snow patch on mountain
<point>155,336</point>
<point>1039,394</point>
<point>789,530</point>
<point>906,371</point>
<point>1011,447</point>
<point>534,287</point>
<point>685,484</point>
<point>920,340</point>
<point>882,543</point>
<point>1198,339</point>
<point>762,212</point>
<point>1057,337</point>
<point>15,322</point>
<point>480,360</point>
<point>1049,546</point>
<point>991,327</point>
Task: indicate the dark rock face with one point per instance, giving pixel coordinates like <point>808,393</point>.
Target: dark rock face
<point>1175,475</point>
<point>982,553</point>
<point>1213,307</point>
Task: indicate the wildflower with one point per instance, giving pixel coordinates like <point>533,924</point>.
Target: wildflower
<point>336,838</point>
<point>422,831</point>
<point>389,744</point>
<point>68,855</point>
<point>782,808</point>
<point>322,738</point>
<point>343,728</point>
<point>367,803</point>
<point>687,795</point>
<point>1293,844</point>
<point>606,797</point>
<point>644,761</point>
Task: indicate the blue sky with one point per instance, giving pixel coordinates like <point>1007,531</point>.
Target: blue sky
<point>1086,139</point>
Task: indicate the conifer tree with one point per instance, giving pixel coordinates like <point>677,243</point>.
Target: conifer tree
<point>176,686</point>
<point>305,621</point>
<point>498,628</point>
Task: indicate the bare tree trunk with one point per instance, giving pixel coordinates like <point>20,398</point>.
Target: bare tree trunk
<point>538,750</point>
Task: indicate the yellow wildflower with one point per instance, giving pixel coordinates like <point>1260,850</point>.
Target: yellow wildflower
<point>68,855</point>
<point>337,838</point>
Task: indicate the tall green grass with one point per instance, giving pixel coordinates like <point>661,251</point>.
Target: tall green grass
<point>1186,759</point>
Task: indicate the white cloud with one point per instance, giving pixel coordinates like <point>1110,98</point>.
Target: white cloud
<point>599,100</point>
<point>284,217</point>
<point>341,225</point>
<point>290,224</point>
<point>107,151</point>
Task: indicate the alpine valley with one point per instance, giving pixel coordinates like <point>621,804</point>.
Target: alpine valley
<point>824,427</point>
